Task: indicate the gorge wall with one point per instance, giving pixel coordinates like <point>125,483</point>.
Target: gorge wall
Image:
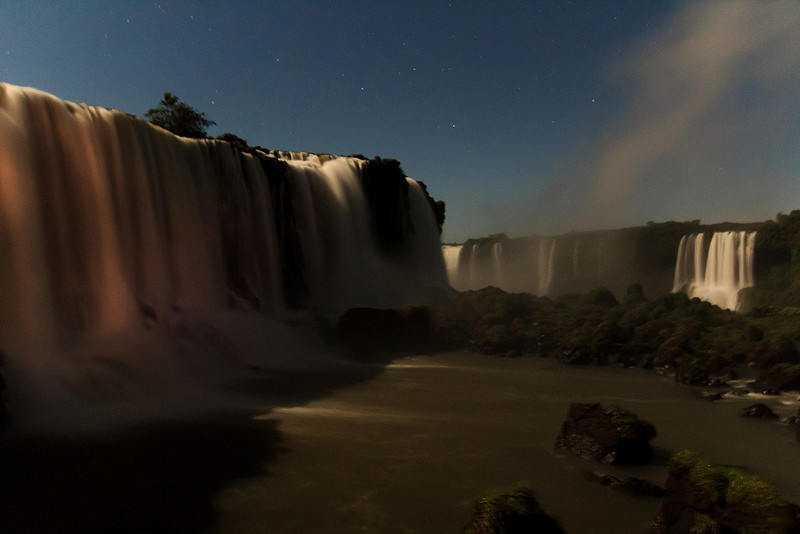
<point>115,234</point>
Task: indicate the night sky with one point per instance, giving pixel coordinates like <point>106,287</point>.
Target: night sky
<point>525,117</point>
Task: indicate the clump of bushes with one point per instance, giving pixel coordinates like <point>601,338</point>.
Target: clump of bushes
<point>509,511</point>
<point>698,342</point>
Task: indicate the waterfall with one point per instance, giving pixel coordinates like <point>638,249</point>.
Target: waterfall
<point>119,237</point>
<point>546,259</point>
<point>493,261</point>
<point>716,273</point>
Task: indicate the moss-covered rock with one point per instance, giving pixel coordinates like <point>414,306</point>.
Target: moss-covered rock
<point>703,497</point>
<point>511,510</point>
<point>606,433</point>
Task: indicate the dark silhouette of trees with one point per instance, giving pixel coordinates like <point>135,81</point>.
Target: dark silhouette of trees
<point>179,118</point>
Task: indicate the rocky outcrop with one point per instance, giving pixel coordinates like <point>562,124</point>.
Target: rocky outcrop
<point>606,433</point>
<point>702,497</point>
<point>511,511</point>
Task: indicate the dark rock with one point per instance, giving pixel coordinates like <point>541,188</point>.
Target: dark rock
<point>631,485</point>
<point>576,356</point>
<point>740,392</point>
<point>759,411</point>
<point>371,330</point>
<point>797,424</point>
<point>511,511</point>
<point>606,433</point>
<point>5,417</point>
<point>702,497</point>
<point>713,395</point>
<point>780,377</point>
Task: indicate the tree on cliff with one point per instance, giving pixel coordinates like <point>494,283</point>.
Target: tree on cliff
<point>179,118</point>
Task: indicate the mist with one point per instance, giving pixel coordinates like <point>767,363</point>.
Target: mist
<point>708,128</point>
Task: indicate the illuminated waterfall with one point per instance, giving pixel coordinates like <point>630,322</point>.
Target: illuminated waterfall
<point>119,237</point>
<point>718,272</point>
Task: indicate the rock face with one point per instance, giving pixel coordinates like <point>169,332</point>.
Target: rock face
<point>702,497</point>
<point>511,511</point>
<point>606,433</point>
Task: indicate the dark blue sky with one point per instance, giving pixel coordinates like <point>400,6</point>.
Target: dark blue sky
<point>525,117</point>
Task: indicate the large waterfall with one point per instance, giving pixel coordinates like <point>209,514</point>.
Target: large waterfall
<point>125,249</point>
<point>718,271</point>
<point>556,265</point>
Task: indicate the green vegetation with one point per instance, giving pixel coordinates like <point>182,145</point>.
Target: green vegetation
<point>508,511</point>
<point>628,424</point>
<point>179,118</point>
<point>698,342</point>
<point>704,497</point>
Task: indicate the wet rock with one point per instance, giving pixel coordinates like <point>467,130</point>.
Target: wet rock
<point>713,395</point>
<point>759,411</point>
<point>780,377</point>
<point>797,424</point>
<point>631,485</point>
<point>703,497</point>
<point>511,511</point>
<point>606,433</point>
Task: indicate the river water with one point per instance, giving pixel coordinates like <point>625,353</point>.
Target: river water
<point>411,449</point>
<point>357,447</point>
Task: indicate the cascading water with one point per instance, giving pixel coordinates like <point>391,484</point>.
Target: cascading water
<point>492,262</point>
<point>127,249</point>
<point>718,272</point>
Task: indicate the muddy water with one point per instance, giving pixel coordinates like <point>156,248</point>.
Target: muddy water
<point>410,449</point>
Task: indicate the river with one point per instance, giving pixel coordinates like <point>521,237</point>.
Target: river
<point>405,447</point>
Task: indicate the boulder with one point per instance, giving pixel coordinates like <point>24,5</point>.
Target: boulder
<point>631,485</point>
<point>703,497</point>
<point>511,511</point>
<point>759,411</point>
<point>606,433</point>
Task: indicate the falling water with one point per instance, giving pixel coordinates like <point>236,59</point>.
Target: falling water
<point>716,273</point>
<point>127,250</point>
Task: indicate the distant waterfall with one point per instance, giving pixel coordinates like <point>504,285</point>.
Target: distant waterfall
<point>492,262</point>
<point>718,272</point>
<point>109,225</point>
